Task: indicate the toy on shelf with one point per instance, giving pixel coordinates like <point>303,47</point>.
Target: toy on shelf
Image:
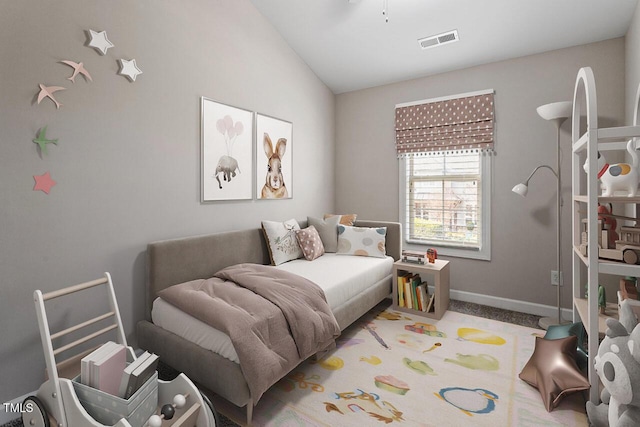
<point>619,176</point>
<point>628,289</point>
<point>432,255</point>
<point>610,224</point>
<point>415,257</point>
<point>627,249</point>
<point>618,366</point>
<point>602,298</point>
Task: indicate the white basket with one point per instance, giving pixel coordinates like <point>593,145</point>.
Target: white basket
<point>108,409</point>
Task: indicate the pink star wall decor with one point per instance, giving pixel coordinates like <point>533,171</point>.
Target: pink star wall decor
<point>43,182</point>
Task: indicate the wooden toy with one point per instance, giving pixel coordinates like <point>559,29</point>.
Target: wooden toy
<point>58,401</point>
<point>610,224</point>
<point>628,288</point>
<point>602,299</point>
<point>627,249</point>
<point>168,411</point>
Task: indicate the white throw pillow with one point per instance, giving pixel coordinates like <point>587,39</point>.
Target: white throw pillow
<point>362,241</point>
<point>281,240</point>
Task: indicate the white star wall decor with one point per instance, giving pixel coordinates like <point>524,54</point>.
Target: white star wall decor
<point>99,41</point>
<point>129,69</point>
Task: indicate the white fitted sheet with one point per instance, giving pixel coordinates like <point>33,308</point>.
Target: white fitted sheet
<point>341,277</point>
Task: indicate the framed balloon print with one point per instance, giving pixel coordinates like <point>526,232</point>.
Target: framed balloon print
<point>226,152</point>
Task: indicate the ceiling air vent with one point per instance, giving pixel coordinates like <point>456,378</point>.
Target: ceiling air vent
<point>439,39</point>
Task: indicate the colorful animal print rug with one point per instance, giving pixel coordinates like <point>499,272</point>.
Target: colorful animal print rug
<point>392,368</point>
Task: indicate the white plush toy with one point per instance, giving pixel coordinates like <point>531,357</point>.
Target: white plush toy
<point>619,176</point>
<point>618,366</point>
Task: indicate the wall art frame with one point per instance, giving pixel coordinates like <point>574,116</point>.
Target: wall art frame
<point>226,154</point>
<point>274,158</point>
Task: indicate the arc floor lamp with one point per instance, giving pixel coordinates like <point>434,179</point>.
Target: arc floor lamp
<point>556,112</point>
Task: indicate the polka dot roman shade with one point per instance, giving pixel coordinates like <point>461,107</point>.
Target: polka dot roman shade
<point>445,125</point>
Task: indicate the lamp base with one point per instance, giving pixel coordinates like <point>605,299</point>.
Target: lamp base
<point>545,322</point>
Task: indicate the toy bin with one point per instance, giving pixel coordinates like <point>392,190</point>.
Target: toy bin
<point>108,409</point>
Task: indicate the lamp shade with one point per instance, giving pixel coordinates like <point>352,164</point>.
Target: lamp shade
<point>521,189</point>
<point>556,110</point>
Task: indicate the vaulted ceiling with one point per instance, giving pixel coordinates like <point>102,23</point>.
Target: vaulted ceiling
<point>350,46</point>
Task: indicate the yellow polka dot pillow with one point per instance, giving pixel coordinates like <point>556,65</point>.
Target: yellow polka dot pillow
<point>362,241</point>
<point>310,243</point>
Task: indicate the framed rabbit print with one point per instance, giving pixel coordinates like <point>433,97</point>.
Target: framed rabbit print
<point>274,144</point>
<point>226,152</point>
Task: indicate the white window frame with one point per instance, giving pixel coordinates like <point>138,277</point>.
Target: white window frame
<point>481,253</point>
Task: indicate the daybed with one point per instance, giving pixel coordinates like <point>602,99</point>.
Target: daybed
<point>177,261</point>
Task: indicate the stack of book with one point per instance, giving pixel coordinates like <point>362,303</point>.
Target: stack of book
<point>106,369</point>
<point>413,292</point>
<point>137,373</point>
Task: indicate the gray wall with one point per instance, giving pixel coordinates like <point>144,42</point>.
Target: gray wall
<point>523,237</point>
<point>127,164</point>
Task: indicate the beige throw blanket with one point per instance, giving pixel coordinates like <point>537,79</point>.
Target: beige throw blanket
<point>275,319</point>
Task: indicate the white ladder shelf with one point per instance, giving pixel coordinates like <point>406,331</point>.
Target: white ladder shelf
<point>585,200</point>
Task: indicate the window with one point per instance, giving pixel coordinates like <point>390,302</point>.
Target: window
<point>445,173</point>
<point>445,202</point>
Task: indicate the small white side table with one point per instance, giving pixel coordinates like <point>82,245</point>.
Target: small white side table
<point>436,275</point>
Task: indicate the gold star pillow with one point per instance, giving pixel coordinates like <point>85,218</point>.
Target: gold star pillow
<point>553,371</point>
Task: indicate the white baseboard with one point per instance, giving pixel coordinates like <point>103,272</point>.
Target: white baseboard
<point>5,416</point>
<point>511,304</point>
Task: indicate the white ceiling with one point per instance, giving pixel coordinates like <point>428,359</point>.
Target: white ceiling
<point>349,46</point>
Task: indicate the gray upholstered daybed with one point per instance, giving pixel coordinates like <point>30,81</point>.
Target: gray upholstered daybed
<point>177,261</point>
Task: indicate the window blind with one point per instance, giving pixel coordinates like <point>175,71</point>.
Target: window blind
<point>460,123</point>
<point>444,199</point>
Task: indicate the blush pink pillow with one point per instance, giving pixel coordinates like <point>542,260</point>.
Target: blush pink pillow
<point>310,243</point>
